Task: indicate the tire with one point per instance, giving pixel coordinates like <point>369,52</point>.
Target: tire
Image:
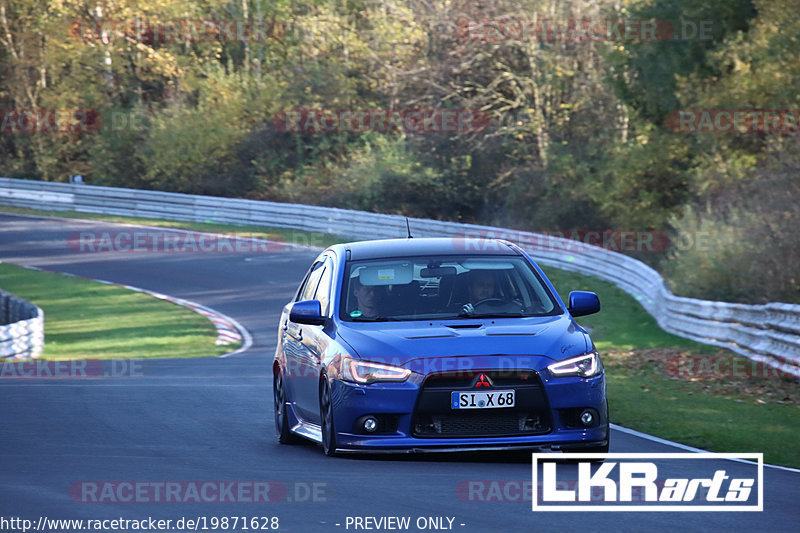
<point>285,436</point>
<point>326,416</point>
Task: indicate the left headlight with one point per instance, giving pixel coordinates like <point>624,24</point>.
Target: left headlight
<point>585,366</point>
<point>365,372</point>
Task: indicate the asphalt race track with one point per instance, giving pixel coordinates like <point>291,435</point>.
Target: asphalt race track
<point>196,421</point>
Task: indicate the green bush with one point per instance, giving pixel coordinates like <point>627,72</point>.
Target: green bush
<point>745,251</point>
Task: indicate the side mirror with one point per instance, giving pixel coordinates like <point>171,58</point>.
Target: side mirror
<point>582,303</point>
<point>307,312</point>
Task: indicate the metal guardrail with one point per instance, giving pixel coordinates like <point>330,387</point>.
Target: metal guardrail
<point>767,333</point>
<point>21,328</point>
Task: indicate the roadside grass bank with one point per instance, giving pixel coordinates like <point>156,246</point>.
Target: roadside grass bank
<point>85,319</point>
<point>682,390</point>
<point>728,413</point>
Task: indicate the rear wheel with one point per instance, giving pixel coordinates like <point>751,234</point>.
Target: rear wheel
<point>326,415</point>
<point>281,420</point>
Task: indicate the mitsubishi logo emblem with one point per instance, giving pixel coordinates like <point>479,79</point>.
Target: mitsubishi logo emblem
<point>483,381</point>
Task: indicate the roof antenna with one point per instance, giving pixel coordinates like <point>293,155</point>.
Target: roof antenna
<point>408,227</point>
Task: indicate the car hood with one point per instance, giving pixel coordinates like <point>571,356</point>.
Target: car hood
<point>399,343</point>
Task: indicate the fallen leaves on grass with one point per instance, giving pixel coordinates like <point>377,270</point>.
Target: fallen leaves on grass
<point>721,374</point>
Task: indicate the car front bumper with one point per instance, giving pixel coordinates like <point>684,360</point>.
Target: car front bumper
<point>397,401</point>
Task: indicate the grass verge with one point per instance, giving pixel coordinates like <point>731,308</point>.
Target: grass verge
<point>730,414</point>
<point>85,319</point>
<point>648,390</point>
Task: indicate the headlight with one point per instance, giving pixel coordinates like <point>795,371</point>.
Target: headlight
<point>585,366</point>
<point>365,372</point>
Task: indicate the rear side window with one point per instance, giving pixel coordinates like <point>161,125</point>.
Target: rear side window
<point>324,288</point>
<point>309,286</point>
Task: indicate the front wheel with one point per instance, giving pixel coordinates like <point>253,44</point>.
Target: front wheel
<point>326,415</point>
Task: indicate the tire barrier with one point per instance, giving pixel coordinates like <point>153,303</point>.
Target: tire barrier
<point>21,328</point>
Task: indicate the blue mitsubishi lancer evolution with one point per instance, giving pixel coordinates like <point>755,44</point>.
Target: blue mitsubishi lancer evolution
<point>408,345</point>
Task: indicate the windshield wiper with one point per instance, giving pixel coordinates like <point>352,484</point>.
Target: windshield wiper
<point>493,315</point>
<point>376,319</point>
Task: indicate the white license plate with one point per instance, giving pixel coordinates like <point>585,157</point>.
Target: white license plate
<point>482,400</point>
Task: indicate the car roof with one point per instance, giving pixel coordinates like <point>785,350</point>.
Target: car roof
<point>427,246</point>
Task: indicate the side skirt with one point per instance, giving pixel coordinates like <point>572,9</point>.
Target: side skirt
<point>307,430</point>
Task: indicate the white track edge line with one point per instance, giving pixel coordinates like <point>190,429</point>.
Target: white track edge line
<point>687,447</point>
<point>247,338</point>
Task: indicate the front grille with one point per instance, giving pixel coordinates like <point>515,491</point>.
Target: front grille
<point>433,416</point>
<point>464,379</point>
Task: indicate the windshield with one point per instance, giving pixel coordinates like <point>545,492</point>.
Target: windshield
<point>443,287</point>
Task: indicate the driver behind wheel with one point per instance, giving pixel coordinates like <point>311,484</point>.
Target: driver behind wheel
<point>368,299</point>
<point>481,286</point>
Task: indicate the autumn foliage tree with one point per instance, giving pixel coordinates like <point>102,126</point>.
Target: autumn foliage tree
<point>578,135</point>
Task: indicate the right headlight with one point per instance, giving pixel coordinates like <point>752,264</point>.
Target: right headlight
<point>585,366</point>
<point>365,372</point>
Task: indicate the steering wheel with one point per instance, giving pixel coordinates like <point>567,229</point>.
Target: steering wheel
<point>496,301</point>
